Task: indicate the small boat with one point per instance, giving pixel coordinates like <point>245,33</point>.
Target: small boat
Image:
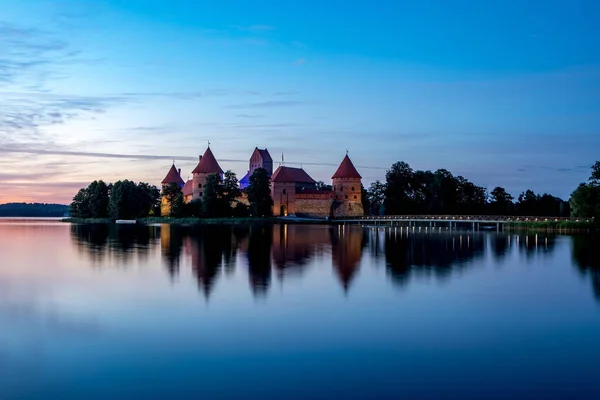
<point>125,221</point>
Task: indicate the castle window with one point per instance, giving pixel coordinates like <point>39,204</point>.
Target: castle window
<point>199,185</point>
<point>200,193</point>
<point>353,188</point>
<point>354,197</point>
<point>346,197</point>
<point>283,191</point>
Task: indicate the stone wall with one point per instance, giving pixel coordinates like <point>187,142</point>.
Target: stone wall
<point>347,209</point>
<point>312,206</point>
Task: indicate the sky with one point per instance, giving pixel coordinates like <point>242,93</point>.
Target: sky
<point>505,93</point>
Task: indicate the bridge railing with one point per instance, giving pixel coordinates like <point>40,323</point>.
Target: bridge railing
<point>467,218</point>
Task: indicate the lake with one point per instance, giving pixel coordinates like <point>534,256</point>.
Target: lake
<point>295,311</point>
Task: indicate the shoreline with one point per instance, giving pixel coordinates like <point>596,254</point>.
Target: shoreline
<point>554,226</point>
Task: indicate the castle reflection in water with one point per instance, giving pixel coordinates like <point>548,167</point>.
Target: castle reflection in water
<point>284,251</point>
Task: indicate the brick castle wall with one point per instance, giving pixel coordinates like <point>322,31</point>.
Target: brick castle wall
<point>313,206</point>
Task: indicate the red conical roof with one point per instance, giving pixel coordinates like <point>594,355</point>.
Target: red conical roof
<point>208,164</point>
<point>289,174</point>
<point>173,177</point>
<point>346,170</point>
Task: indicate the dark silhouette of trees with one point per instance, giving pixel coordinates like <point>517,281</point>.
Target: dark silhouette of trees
<point>585,200</point>
<point>194,208</point>
<point>533,204</point>
<point>147,198</point>
<point>211,204</point>
<point>173,194</point>
<point>399,190</point>
<point>230,191</point>
<point>33,210</point>
<point>412,192</point>
<point>320,185</point>
<point>364,199</point>
<point>501,202</point>
<point>220,196</point>
<point>407,191</point>
<point>91,202</point>
<point>595,177</point>
<point>376,196</point>
<point>259,193</point>
<point>129,201</point>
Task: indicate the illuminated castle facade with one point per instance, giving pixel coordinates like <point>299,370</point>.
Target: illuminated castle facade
<point>293,191</point>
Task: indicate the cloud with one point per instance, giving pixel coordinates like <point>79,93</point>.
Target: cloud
<point>31,55</point>
<point>253,28</point>
<point>55,150</point>
<point>273,103</point>
<point>567,169</point>
<point>25,114</point>
<point>249,116</point>
<point>300,61</point>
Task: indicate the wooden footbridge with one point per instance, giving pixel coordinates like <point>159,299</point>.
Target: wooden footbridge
<point>450,222</point>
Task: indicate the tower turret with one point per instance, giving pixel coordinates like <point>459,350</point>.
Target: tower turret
<point>173,176</point>
<point>207,165</point>
<point>347,192</point>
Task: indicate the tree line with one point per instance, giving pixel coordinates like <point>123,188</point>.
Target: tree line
<point>128,200</point>
<point>408,191</point>
<point>120,200</point>
<point>585,200</point>
<point>33,210</point>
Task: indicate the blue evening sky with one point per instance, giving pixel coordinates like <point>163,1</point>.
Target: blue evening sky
<point>502,92</point>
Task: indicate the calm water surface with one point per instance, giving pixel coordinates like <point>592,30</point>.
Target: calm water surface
<point>95,311</point>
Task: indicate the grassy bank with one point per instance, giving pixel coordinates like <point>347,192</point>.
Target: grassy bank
<point>552,226</point>
<point>176,221</point>
<point>204,221</point>
<point>88,220</point>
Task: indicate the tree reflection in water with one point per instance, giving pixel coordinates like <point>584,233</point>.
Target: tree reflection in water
<point>437,254</point>
<point>586,254</point>
<point>288,250</point>
<point>259,258</point>
<point>112,243</point>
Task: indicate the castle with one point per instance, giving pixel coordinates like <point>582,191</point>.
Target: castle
<point>293,191</point>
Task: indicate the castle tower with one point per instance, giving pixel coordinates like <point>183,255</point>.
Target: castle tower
<point>173,176</point>
<point>346,184</point>
<point>259,159</point>
<point>207,165</point>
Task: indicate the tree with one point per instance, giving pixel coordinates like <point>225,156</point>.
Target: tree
<point>174,196</point>
<point>585,201</point>
<point>501,202</point>
<point>595,177</point>
<point>212,199</point>
<point>194,208</point>
<point>91,202</point>
<point>259,193</point>
<point>364,197</point>
<point>376,196</point>
<point>147,198</point>
<point>122,203</point>
<point>320,185</point>
<point>526,204</point>
<point>471,199</point>
<point>399,189</point>
<point>230,192</point>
